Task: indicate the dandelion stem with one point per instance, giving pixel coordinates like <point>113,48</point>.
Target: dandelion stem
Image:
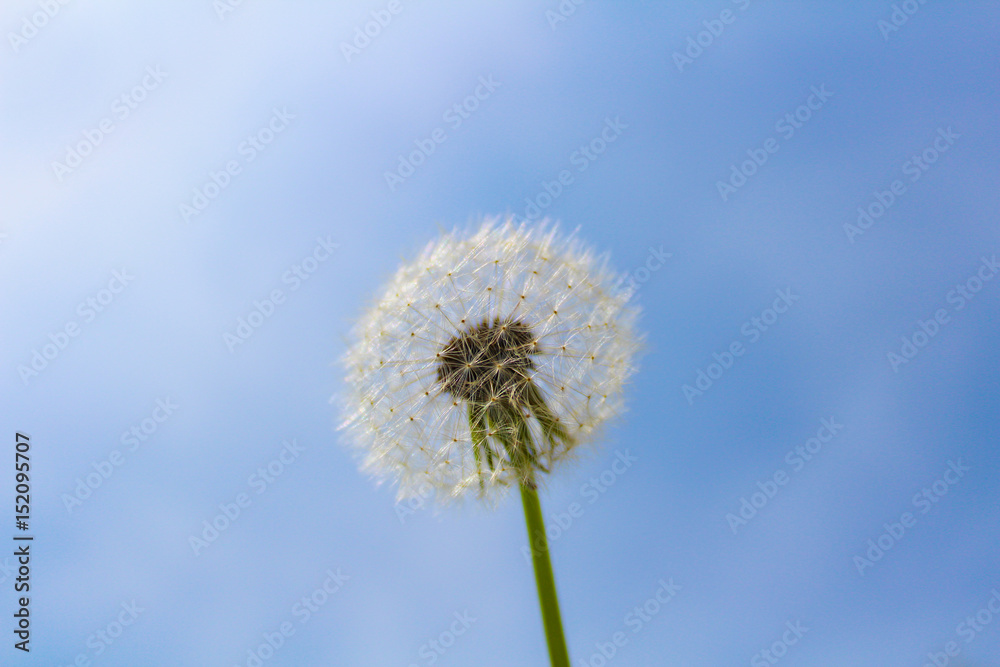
<point>544,577</point>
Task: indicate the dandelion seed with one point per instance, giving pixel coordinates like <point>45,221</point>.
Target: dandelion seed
<point>491,356</point>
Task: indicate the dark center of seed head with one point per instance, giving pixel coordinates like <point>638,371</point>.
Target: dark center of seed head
<point>489,361</point>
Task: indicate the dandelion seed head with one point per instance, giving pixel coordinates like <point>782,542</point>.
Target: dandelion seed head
<point>509,334</point>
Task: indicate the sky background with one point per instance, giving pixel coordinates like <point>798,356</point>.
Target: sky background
<point>222,76</point>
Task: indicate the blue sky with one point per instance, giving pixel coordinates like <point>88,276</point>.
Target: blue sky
<point>165,169</point>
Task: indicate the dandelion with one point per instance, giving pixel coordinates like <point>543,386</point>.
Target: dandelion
<point>489,359</point>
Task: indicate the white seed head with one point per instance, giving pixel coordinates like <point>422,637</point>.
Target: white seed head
<point>492,355</point>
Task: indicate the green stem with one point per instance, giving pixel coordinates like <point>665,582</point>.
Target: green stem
<point>544,578</point>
